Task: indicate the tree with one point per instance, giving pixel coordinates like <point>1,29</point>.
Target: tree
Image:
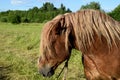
<point>35,9</point>
<point>3,19</point>
<point>68,10</point>
<point>24,20</point>
<point>62,9</point>
<point>47,7</point>
<point>115,13</point>
<point>15,19</point>
<point>91,5</point>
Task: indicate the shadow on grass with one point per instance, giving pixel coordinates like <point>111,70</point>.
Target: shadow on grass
<point>4,71</point>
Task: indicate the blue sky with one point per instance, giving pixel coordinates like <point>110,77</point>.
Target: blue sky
<point>73,5</point>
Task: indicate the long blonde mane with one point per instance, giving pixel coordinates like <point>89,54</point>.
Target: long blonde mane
<point>85,23</point>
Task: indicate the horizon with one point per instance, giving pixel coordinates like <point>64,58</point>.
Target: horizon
<point>72,5</point>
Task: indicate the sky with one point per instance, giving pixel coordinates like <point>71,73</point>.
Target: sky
<point>73,5</point>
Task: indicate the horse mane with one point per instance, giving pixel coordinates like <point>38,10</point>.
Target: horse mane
<point>85,23</point>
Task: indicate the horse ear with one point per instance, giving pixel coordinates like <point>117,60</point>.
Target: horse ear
<point>60,27</point>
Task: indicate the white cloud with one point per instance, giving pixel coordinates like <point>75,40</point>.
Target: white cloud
<point>17,2</point>
<point>48,0</point>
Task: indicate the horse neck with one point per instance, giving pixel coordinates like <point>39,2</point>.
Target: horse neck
<point>99,43</point>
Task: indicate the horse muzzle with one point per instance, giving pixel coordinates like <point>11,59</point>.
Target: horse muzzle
<point>46,72</point>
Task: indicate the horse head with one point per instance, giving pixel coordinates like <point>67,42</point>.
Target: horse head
<point>55,45</point>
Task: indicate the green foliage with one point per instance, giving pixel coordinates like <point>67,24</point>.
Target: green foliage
<point>3,19</point>
<point>48,7</point>
<point>115,13</point>
<point>25,20</point>
<point>45,13</point>
<point>62,9</point>
<point>91,5</point>
<point>15,19</point>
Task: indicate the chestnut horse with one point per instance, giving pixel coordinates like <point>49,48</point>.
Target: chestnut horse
<point>92,32</point>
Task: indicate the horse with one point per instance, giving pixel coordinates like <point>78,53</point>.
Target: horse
<point>92,32</point>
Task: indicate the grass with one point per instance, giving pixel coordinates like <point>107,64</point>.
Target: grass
<point>19,51</point>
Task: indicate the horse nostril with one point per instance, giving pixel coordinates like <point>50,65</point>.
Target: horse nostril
<point>42,73</point>
<point>51,72</point>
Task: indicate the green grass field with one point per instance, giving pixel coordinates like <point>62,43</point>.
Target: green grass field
<point>19,51</point>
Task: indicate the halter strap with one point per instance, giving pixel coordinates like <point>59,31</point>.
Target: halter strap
<point>65,72</point>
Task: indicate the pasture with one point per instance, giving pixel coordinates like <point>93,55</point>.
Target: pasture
<point>19,51</point>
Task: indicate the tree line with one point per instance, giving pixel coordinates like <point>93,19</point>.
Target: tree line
<point>42,14</point>
<point>47,12</point>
